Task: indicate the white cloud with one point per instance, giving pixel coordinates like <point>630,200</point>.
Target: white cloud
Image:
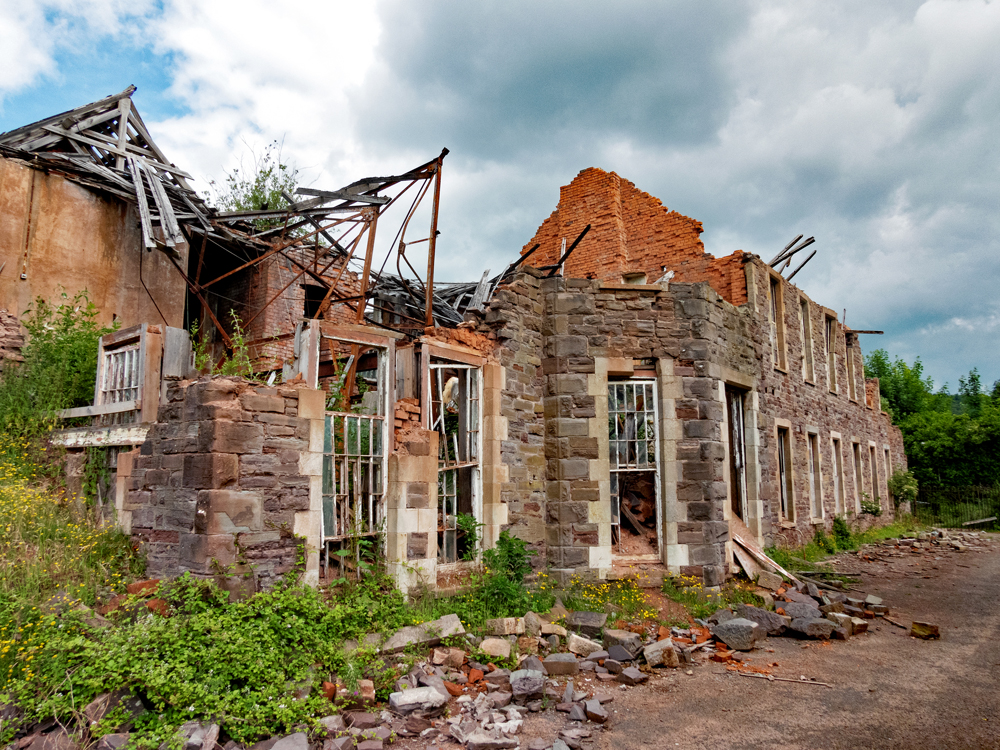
<point>33,31</point>
<point>252,71</point>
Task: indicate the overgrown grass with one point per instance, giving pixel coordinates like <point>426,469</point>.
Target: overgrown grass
<point>623,599</point>
<point>50,544</point>
<point>811,556</point>
<point>701,603</point>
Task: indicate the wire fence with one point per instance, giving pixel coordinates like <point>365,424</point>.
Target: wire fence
<point>973,508</point>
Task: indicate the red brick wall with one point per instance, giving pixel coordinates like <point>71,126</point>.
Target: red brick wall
<point>631,232</point>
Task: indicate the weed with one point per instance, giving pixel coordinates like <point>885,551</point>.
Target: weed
<point>701,603</point>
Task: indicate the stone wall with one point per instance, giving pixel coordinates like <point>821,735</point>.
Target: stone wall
<point>227,476</point>
<point>11,338</point>
<point>559,342</point>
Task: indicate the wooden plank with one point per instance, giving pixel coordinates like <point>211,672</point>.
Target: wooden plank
<point>83,437</point>
<point>479,297</point>
<point>981,520</point>
<point>746,562</point>
<point>344,196</point>
<point>145,221</point>
<point>740,534</point>
<point>98,410</point>
<point>110,101</point>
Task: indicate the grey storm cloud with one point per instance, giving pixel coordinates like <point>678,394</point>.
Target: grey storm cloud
<point>870,125</point>
<point>500,80</point>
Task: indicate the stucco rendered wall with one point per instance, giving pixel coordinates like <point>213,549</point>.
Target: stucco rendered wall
<point>64,237</point>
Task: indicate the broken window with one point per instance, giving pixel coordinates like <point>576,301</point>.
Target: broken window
<point>831,352</point>
<point>455,416</point>
<point>815,480</point>
<point>735,405</point>
<point>777,311</point>
<point>838,478</point>
<point>808,371</point>
<point>354,451</point>
<point>785,474</point>
<point>633,451</point>
<point>314,295</point>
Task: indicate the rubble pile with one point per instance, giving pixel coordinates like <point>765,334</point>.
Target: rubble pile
<point>936,540</point>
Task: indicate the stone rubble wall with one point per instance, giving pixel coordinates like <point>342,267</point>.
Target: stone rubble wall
<point>226,477</point>
<point>560,339</point>
<point>11,339</point>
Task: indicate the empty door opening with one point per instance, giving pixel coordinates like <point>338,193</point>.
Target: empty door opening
<point>633,452</point>
<point>735,405</point>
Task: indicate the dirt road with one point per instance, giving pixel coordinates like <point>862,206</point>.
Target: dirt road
<point>889,690</point>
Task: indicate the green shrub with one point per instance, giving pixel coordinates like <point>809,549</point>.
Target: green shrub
<point>58,372</point>
<point>825,543</point>
<point>904,487</point>
<point>842,533</point>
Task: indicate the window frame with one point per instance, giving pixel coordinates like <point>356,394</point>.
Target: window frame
<point>815,473</point>
<point>830,333</point>
<point>784,465</point>
<point>776,315</point>
<point>839,491</point>
<point>805,333</point>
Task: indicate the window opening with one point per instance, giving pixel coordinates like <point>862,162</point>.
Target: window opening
<point>785,474</point>
<point>808,370</point>
<point>456,416</point>
<point>120,378</point>
<point>831,352</point>
<point>633,452</point>
<point>354,465</point>
<point>852,388</point>
<point>815,480</point>
<point>777,324</point>
<point>838,479</point>
<point>735,405</point>
<point>856,448</point>
<point>314,295</point>
<point>874,473</point>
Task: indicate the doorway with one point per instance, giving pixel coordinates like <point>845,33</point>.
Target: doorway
<point>634,455</point>
<point>735,409</point>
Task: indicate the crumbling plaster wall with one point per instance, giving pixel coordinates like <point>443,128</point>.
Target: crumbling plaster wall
<point>64,237</point>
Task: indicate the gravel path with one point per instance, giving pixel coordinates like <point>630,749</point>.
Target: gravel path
<point>889,690</point>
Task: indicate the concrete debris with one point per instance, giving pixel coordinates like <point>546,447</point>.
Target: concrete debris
<point>582,646</point>
<point>740,634</point>
<point>925,630</point>
<point>496,647</point>
<point>586,623</point>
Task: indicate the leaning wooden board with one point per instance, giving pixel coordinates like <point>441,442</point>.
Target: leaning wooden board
<point>743,537</point>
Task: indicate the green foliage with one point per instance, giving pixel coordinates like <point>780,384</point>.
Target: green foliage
<point>509,559</point>
<point>904,389</point>
<point>841,533</point>
<point>235,364</point>
<point>241,662</point>
<point>701,603</point>
<point>622,598</point>
<point>904,487</point>
<point>950,440</point>
<point>259,185</point>
<point>59,367</point>
<point>469,526</point>
<point>499,591</point>
<point>825,543</point>
<point>870,507</point>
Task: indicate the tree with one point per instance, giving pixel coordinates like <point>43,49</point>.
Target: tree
<point>903,388</point>
<point>259,186</point>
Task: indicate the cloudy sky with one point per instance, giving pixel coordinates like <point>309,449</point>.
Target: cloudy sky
<point>873,126</point>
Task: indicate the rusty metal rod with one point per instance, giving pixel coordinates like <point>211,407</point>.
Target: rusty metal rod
<point>432,244</point>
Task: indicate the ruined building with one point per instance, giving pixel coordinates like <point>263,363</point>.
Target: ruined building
<point>616,396</point>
